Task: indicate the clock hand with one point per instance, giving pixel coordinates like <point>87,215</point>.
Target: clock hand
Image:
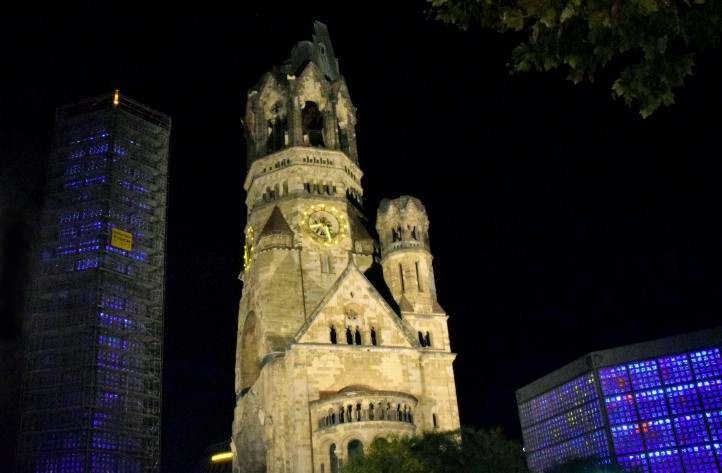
<point>315,225</point>
<point>327,232</point>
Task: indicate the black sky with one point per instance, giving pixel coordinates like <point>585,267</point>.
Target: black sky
<point>561,222</point>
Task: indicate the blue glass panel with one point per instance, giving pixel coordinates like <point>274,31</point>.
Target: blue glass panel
<point>683,399</point>
<point>658,434</point>
<point>620,409</point>
<point>711,392</point>
<point>531,438</point>
<point>714,420</point>
<point>597,445</point>
<point>665,461</point>
<point>699,459</point>
<point>651,404</point>
<point>675,369</point>
<point>61,463</point>
<point>691,429</point>
<point>644,374</point>
<point>636,462</point>
<point>707,363</point>
<point>627,438</point>
<point>575,393</point>
<point>615,380</point>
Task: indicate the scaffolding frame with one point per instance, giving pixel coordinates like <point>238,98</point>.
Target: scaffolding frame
<point>91,392</point>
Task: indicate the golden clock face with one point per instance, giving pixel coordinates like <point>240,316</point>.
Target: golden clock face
<point>248,248</point>
<point>324,223</point>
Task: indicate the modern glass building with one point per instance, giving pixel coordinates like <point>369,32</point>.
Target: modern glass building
<point>91,392</point>
<point>650,407</point>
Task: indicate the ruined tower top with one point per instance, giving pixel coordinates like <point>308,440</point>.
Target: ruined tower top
<point>304,103</point>
<point>319,51</point>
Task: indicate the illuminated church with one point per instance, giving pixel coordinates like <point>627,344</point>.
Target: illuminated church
<point>341,340</point>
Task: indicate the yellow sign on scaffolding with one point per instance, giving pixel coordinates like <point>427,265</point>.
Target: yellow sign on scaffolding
<point>121,239</point>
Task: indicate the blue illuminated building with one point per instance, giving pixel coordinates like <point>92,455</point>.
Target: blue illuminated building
<point>650,407</point>
<point>91,393</point>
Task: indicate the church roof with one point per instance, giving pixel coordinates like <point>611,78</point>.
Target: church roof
<point>400,203</point>
<point>405,305</point>
<point>276,224</point>
<point>379,290</point>
<point>358,229</point>
<point>375,275</point>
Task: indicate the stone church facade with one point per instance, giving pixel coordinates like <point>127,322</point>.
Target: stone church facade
<point>341,339</point>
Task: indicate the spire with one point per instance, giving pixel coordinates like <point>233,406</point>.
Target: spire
<point>319,51</point>
<point>276,233</point>
<point>276,224</point>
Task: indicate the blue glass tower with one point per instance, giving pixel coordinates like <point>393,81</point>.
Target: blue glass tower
<point>651,407</point>
<point>91,393</point>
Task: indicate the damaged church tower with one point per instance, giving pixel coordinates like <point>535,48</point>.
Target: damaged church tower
<point>338,345</point>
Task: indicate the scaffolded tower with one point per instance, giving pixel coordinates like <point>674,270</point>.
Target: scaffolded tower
<point>92,378</point>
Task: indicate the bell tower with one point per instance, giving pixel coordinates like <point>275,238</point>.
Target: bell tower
<point>403,228</point>
<point>325,363</point>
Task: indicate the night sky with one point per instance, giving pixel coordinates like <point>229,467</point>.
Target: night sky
<point>561,221</point>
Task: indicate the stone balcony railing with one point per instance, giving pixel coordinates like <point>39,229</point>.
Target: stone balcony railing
<point>404,244</point>
<point>364,405</point>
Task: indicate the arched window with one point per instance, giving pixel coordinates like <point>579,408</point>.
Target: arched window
<point>343,139</point>
<point>349,336</point>
<point>312,124</point>
<point>355,449</point>
<point>333,337</point>
<point>397,234</point>
<point>373,336</point>
<point>357,337</point>
<point>421,339</point>
<point>333,459</point>
<point>436,422</point>
<point>277,127</point>
<point>427,339</point>
<point>358,412</point>
<point>418,277</point>
<point>371,411</point>
<point>341,415</point>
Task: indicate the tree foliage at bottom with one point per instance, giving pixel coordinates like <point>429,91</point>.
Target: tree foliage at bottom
<point>467,451</point>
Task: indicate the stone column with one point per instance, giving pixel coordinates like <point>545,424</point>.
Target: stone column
<point>330,127</point>
<point>261,132</point>
<point>295,126</point>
